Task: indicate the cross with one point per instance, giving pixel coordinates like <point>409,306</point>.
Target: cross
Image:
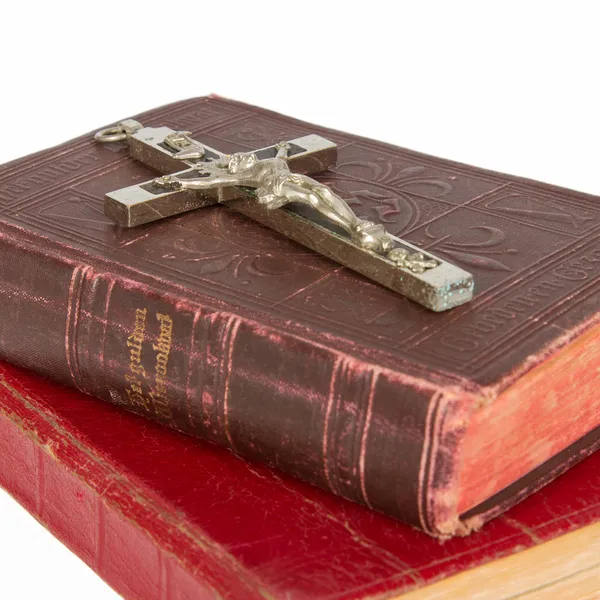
<point>272,186</point>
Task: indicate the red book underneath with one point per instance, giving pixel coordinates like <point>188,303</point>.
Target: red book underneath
<point>214,325</point>
<point>161,515</point>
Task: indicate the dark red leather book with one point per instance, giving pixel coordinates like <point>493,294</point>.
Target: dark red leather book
<point>162,516</point>
<point>442,420</point>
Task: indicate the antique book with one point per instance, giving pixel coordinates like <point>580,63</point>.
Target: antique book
<point>163,516</point>
<point>226,330</point>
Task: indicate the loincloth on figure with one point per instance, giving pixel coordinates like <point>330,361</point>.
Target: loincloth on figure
<point>272,186</point>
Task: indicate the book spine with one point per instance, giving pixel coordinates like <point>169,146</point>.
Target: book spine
<point>363,432</point>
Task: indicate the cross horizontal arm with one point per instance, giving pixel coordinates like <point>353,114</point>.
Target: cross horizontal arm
<point>147,202</point>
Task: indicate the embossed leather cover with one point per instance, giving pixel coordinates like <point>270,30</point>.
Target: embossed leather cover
<point>223,329</point>
<point>162,516</point>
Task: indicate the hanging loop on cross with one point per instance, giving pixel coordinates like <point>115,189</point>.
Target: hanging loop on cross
<point>111,134</point>
<point>119,132</point>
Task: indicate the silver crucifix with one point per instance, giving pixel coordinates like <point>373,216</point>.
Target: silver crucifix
<point>256,183</point>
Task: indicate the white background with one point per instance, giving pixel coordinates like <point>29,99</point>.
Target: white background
<point>511,86</point>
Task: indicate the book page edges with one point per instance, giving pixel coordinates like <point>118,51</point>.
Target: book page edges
<point>491,453</point>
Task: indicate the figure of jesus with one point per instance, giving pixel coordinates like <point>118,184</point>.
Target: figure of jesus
<point>277,186</point>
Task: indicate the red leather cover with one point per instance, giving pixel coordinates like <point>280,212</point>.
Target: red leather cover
<point>162,516</point>
<point>280,354</point>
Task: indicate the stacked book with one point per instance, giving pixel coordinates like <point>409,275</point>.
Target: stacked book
<point>325,436</point>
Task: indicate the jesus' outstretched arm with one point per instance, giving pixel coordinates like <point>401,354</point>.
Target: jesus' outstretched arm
<point>203,181</point>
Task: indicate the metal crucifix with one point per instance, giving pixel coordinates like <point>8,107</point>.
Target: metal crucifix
<point>276,177</point>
